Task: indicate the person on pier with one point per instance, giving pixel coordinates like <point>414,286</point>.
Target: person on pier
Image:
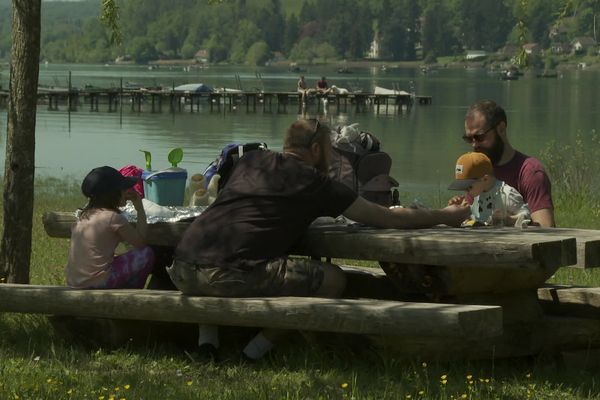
<point>239,247</point>
<point>303,88</point>
<point>486,132</point>
<point>323,86</point>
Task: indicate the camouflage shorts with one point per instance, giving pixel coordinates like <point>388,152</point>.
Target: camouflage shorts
<point>278,277</point>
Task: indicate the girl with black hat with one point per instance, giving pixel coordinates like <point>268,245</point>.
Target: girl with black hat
<point>100,228</point>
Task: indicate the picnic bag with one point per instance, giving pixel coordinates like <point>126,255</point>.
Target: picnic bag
<point>227,159</point>
<point>358,162</point>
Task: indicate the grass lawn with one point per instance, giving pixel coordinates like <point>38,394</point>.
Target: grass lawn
<point>38,363</point>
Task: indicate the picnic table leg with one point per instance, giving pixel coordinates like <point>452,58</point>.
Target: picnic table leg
<point>160,279</point>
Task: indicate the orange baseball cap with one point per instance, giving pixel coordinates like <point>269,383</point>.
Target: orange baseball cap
<point>469,168</point>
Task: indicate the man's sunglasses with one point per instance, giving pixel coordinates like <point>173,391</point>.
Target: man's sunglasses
<point>478,137</point>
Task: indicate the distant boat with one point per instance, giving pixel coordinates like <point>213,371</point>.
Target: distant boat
<point>193,88</point>
<point>295,68</point>
<point>132,86</point>
<point>509,75</point>
<point>227,90</point>
<point>381,90</point>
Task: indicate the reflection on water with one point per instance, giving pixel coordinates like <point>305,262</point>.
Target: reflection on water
<point>424,142</point>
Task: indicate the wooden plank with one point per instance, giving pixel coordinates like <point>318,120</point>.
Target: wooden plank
<point>459,280</point>
<point>570,300</point>
<point>499,248</point>
<point>318,314</point>
<point>549,335</point>
<point>588,244</point>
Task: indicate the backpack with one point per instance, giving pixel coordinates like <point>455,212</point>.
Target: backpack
<point>230,154</point>
<point>358,163</point>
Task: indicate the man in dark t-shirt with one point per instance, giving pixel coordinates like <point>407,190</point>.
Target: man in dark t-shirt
<point>486,132</point>
<point>239,246</point>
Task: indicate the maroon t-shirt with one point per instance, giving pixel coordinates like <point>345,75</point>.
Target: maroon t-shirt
<point>269,201</point>
<point>527,175</point>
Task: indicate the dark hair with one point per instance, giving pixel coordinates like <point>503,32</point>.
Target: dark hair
<point>492,112</point>
<point>301,134</point>
<point>109,200</point>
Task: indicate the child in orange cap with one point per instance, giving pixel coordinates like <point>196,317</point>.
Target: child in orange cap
<point>492,201</point>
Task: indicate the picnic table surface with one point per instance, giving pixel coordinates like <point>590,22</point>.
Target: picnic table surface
<point>502,247</point>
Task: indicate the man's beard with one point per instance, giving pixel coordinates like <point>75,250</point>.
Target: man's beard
<point>495,153</point>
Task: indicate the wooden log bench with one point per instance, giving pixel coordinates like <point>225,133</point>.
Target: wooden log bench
<point>366,316</point>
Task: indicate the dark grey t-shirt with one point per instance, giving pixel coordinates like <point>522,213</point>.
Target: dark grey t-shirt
<point>270,199</point>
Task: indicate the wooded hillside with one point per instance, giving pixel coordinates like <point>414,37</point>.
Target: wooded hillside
<point>253,31</point>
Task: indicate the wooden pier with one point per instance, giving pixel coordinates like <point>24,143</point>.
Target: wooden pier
<point>156,101</point>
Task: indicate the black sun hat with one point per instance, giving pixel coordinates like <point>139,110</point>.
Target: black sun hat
<point>105,179</point>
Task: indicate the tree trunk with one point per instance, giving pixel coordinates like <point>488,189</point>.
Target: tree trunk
<point>15,250</point>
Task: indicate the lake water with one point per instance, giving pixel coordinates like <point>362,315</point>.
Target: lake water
<point>424,141</point>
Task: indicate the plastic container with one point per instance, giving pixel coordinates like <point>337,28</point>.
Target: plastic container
<point>165,187</point>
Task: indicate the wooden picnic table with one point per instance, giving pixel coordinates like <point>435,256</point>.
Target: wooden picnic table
<point>452,260</point>
<point>478,267</point>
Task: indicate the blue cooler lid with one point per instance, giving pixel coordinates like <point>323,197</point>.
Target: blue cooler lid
<point>169,173</point>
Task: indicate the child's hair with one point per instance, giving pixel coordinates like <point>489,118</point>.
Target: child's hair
<point>109,200</point>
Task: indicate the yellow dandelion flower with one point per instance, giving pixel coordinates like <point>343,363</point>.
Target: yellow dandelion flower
<point>117,389</point>
<point>444,376</point>
<point>408,396</point>
<point>344,385</point>
<point>424,365</point>
<point>111,398</point>
<point>122,398</point>
<point>470,382</point>
<point>421,392</point>
<point>487,380</point>
<point>126,387</point>
<point>100,397</point>
<point>481,380</point>
<point>49,380</point>
<point>463,396</point>
<point>189,383</point>
<point>528,376</point>
<point>69,391</point>
<point>469,377</point>
<point>444,381</point>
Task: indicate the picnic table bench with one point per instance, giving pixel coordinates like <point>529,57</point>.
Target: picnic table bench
<point>478,290</point>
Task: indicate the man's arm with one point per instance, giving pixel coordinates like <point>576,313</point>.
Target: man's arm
<point>369,213</point>
<point>544,217</point>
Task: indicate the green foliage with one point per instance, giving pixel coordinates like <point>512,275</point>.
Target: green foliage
<point>110,17</point>
<point>325,51</point>
<point>407,29</point>
<point>143,50</point>
<point>572,167</point>
<point>550,62</point>
<point>305,50</point>
<point>258,53</point>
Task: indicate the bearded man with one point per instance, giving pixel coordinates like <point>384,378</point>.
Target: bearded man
<point>239,246</point>
<point>486,132</point>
